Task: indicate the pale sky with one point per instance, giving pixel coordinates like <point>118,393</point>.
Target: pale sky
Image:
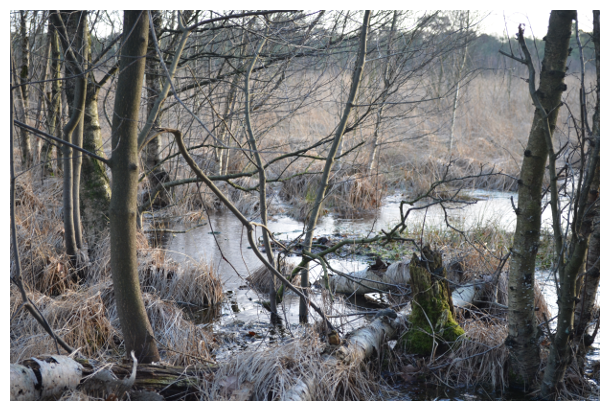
<point>537,19</point>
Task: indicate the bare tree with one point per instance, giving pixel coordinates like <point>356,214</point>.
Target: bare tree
<point>322,187</point>
<point>522,327</point>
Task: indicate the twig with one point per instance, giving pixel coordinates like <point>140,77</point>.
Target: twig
<point>59,140</point>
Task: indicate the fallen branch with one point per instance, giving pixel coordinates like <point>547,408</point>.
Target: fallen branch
<point>368,280</point>
<point>360,346</point>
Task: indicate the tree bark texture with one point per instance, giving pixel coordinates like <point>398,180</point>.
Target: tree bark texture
<point>134,322</point>
<point>432,322</point>
<point>360,345</point>
<point>522,340</point>
<point>371,280</point>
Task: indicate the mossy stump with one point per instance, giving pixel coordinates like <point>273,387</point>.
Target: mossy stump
<point>431,305</point>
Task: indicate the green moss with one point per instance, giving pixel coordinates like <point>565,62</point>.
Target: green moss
<point>419,339</point>
<point>431,317</point>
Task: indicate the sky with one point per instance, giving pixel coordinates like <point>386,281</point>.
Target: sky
<point>536,21</point>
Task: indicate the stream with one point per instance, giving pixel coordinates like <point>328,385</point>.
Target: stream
<point>222,243</point>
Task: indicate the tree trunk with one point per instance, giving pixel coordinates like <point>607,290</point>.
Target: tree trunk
<point>456,95</point>
<point>370,280</point>
<point>23,73</point>
<point>76,94</point>
<point>224,155</point>
<point>262,182</point>
<point>432,323</point>
<point>588,294</point>
<point>95,191</point>
<point>48,377</point>
<point>313,219</point>
<point>386,86</point>
<point>135,325</point>
<point>571,261</point>
<point>361,344</point>
<point>155,172</point>
<point>522,330</point>
<point>79,22</point>
<point>54,99</point>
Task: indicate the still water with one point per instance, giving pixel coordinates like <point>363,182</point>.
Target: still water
<point>222,243</point>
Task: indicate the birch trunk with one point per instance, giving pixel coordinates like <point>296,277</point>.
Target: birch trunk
<point>367,281</point>
<point>360,346</point>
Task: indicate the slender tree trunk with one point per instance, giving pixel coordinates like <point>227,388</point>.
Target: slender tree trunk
<point>38,155</point>
<point>456,95</point>
<point>95,190</point>
<point>23,69</point>
<point>24,141</point>
<point>54,97</point>
<point>522,327</point>
<point>155,171</point>
<point>135,325</point>
<point>77,95</point>
<point>82,44</point>
<point>588,293</point>
<point>225,129</point>
<point>386,86</point>
<point>571,261</point>
<point>262,182</point>
<point>313,219</point>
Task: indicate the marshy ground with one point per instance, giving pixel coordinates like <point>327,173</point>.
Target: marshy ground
<point>205,300</point>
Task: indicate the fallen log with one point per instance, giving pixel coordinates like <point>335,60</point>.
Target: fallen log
<point>44,378</point>
<point>359,346</point>
<point>371,280</point>
<point>171,382</point>
<point>49,377</point>
<point>464,296</point>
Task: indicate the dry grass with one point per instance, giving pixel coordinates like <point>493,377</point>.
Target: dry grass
<point>350,193</point>
<point>77,317</point>
<point>261,279</point>
<point>270,374</point>
<point>44,265</point>
<point>459,174</point>
<point>84,315</point>
<point>190,282</point>
<point>88,320</point>
<point>480,356</point>
<point>355,194</point>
